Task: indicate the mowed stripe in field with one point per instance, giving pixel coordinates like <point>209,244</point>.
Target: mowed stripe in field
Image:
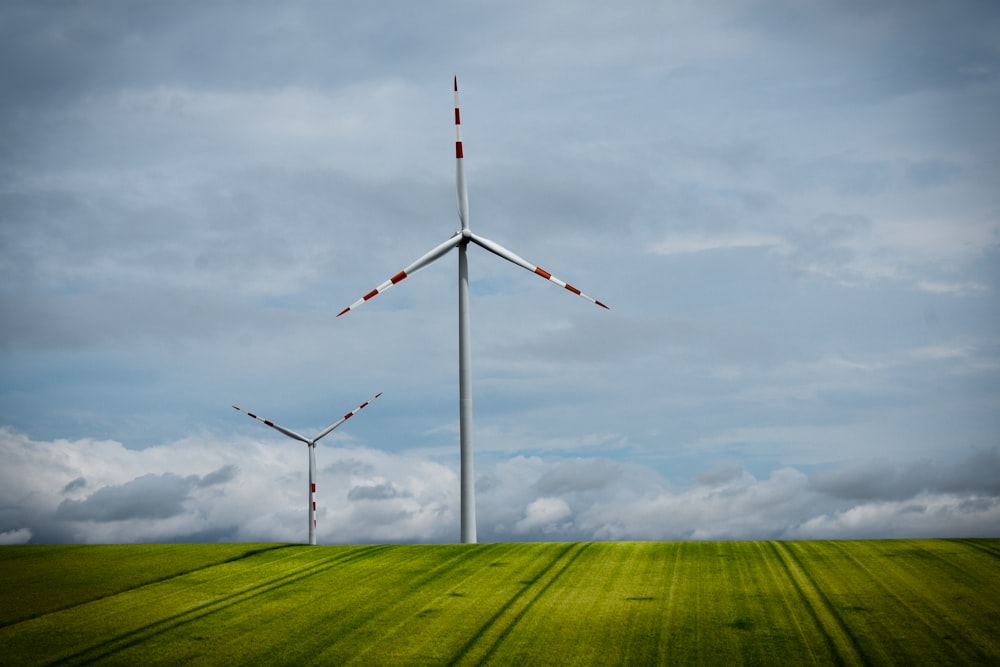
<point>875,602</point>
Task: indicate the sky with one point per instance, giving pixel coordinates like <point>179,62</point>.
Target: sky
<point>791,209</point>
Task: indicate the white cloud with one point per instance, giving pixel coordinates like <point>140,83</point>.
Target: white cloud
<point>208,489</point>
<point>543,516</point>
<point>956,288</point>
<point>925,515</point>
<point>689,244</point>
<point>212,489</point>
<point>17,536</point>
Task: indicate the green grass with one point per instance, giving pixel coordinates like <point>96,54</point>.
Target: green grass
<point>933,602</point>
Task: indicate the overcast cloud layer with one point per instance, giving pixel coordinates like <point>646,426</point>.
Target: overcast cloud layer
<point>791,209</point>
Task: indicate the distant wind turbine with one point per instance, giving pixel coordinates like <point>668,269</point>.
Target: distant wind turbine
<point>461,239</point>
<point>312,454</point>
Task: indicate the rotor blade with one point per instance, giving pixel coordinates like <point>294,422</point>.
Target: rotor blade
<point>498,249</point>
<point>433,255</point>
<point>463,193</point>
<point>345,417</point>
<point>290,433</point>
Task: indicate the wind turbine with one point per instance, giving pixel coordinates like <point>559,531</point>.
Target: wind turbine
<point>312,454</point>
<point>460,240</point>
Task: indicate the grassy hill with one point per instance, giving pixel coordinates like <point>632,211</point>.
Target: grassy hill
<point>933,602</point>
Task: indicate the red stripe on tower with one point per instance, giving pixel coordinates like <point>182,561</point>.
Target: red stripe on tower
<point>313,488</point>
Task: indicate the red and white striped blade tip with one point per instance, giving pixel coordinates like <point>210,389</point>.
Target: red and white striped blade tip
<point>334,425</point>
<point>399,277</point>
<point>277,427</point>
<point>566,286</point>
<point>361,407</point>
<point>551,278</point>
<point>433,255</point>
<point>514,258</point>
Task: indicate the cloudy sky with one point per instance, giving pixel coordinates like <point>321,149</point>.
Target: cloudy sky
<point>791,209</point>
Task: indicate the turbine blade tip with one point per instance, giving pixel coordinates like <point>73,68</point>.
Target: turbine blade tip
<point>456,83</point>
<point>343,311</point>
<point>601,305</point>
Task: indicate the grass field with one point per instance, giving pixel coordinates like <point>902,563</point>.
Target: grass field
<point>905,602</point>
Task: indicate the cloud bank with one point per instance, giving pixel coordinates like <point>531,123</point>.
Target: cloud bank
<point>210,489</point>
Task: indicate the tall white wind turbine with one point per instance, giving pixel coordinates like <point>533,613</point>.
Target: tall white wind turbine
<point>461,239</point>
<point>312,454</point>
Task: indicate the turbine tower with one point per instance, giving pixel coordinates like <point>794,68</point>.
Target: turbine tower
<point>461,240</point>
<point>312,454</point>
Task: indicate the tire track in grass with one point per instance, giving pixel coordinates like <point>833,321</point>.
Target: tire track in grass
<point>943,559</point>
<point>453,568</point>
<point>523,599</point>
<point>216,579</point>
<point>160,626</point>
<point>691,601</point>
<point>858,596</point>
<point>649,565</point>
<point>669,609</point>
<point>364,623</point>
<point>778,575</point>
<point>922,606</point>
<point>990,548</point>
<point>752,614</point>
<point>344,605</point>
<point>144,633</point>
<point>579,549</point>
<point>141,584</point>
<point>843,646</point>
